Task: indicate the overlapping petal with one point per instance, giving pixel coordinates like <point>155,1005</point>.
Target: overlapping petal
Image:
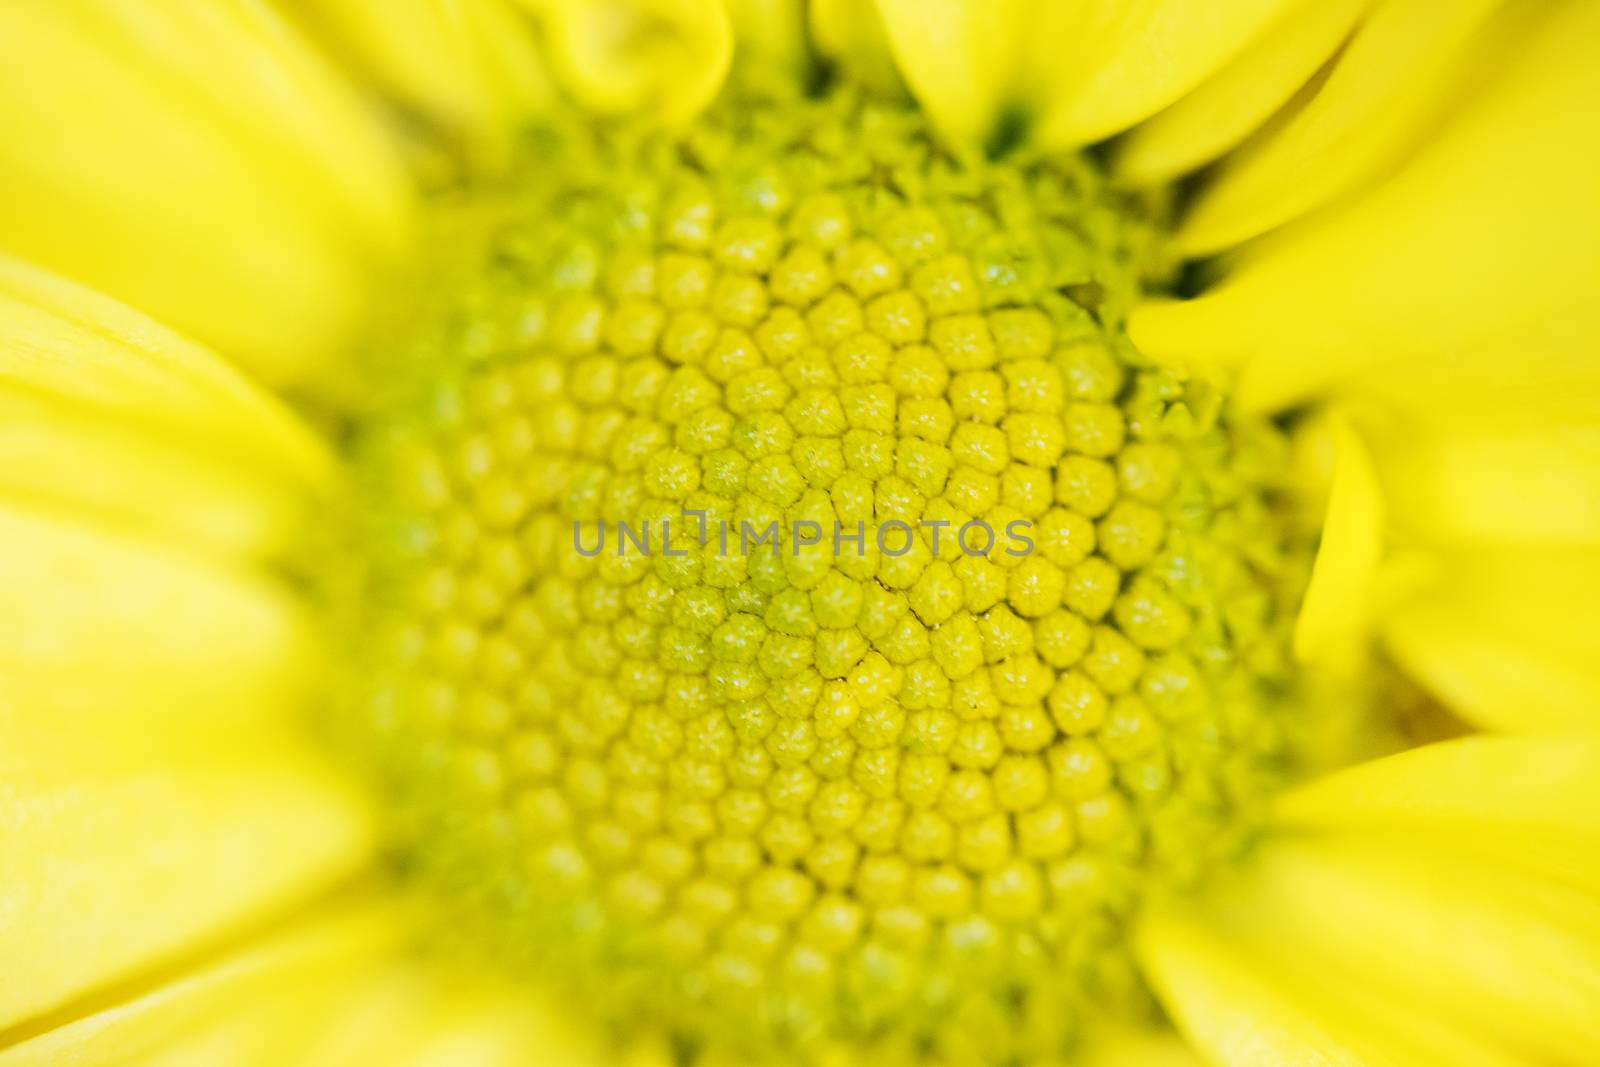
<point>1501,473</point>
<point>312,955</point>
<point>345,984</point>
<point>1070,72</point>
<point>1479,253</point>
<point>1505,636</point>
<point>1409,61</point>
<point>1526,801</point>
<point>853,35</point>
<point>1417,910</point>
<point>107,414</point>
<point>113,625</point>
<point>1338,599</point>
<point>1240,97</point>
<point>1244,1007</point>
<point>470,67</point>
<point>144,481</point>
<point>773,33</point>
<point>1453,308</point>
<point>200,161</point>
<point>132,843</point>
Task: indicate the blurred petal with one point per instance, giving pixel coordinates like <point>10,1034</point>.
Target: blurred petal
<point>396,1015</point>
<point>327,948</point>
<point>472,67</point>
<point>123,847</point>
<point>958,57</point>
<point>1136,1048</point>
<point>103,470</point>
<point>344,985</point>
<point>1502,471</point>
<point>1480,252</point>
<point>1245,1007</point>
<point>1229,1007</point>
<point>134,134</point>
<point>1492,953</point>
<point>1072,72</point>
<point>1109,64</point>
<point>420,1013</point>
<point>107,416</point>
<point>1337,601</point>
<point>69,342</point>
<point>483,1032</point>
<point>1226,108</point>
<point>664,58</point>
<point>774,32</point>
<point>1506,637</point>
<point>1397,70</point>
<point>116,627</point>
<point>1437,906</point>
<point>852,34</point>
<point>1531,801</point>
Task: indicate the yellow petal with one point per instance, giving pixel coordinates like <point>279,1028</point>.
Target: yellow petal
<point>1241,96</point>
<point>1512,959</point>
<point>393,1016</point>
<point>1504,448</point>
<point>442,1016</point>
<point>1389,82</point>
<point>663,58</point>
<point>958,58</point>
<point>112,627</point>
<point>1478,252</point>
<point>471,66</point>
<point>1529,801</point>
<point>65,340</point>
<point>774,31</point>
<point>320,954</point>
<point>102,470</point>
<point>343,985</point>
<point>1246,1001</point>
<point>852,34</point>
<point>1505,637</point>
<point>1129,1047</point>
<point>1395,1031</point>
<point>1109,64</point>
<point>1233,1010</point>
<point>202,163</point>
<point>1520,471</point>
<point>1337,603</point>
<point>491,1035</point>
<point>1071,72</point>
<point>122,848</point>
<point>378,1020</point>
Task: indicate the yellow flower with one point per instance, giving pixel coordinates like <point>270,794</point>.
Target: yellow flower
<point>390,396</point>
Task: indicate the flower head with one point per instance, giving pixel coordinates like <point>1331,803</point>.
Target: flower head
<point>768,541</point>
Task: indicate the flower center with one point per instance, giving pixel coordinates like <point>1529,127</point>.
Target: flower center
<point>796,616</point>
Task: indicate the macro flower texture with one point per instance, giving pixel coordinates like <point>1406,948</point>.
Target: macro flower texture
<point>684,533</point>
